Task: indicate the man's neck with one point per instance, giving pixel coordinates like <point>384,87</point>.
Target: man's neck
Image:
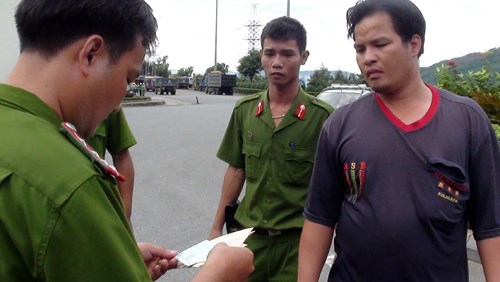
<point>36,75</point>
<point>283,94</point>
<point>409,103</point>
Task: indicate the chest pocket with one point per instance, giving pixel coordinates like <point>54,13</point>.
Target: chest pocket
<point>252,153</point>
<point>299,164</point>
<point>445,200</point>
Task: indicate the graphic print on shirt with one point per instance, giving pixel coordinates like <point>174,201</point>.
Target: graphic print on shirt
<point>451,190</point>
<point>451,181</point>
<point>355,177</point>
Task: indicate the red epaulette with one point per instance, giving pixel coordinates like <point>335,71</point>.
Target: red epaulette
<point>70,131</point>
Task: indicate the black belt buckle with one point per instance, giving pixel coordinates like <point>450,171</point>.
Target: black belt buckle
<point>274,232</point>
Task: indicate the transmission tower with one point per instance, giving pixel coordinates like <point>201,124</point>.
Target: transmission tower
<point>253,31</point>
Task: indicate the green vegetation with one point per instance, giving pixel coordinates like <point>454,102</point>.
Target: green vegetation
<point>471,62</point>
<point>483,86</point>
<point>250,65</point>
<point>497,130</point>
<point>185,71</point>
<point>220,67</point>
<point>319,80</point>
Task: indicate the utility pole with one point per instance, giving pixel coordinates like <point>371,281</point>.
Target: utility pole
<point>288,8</point>
<point>216,18</point>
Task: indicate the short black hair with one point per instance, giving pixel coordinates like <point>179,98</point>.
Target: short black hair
<point>406,17</point>
<point>285,28</point>
<point>48,26</point>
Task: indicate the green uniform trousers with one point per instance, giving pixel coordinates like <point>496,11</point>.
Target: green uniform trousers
<point>276,257</point>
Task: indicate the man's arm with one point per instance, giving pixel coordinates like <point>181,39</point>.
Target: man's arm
<point>315,243</point>
<point>123,163</point>
<point>489,251</point>
<point>231,189</point>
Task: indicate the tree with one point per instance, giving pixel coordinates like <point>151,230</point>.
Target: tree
<point>319,80</point>
<point>356,79</point>
<point>220,67</point>
<point>185,71</point>
<point>161,66</point>
<point>339,77</point>
<point>250,64</point>
<point>148,65</point>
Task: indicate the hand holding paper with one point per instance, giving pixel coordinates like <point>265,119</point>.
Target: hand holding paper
<point>197,255</point>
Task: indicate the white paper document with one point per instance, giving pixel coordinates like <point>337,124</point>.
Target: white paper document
<point>196,255</point>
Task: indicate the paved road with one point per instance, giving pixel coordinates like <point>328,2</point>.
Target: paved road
<point>178,178</point>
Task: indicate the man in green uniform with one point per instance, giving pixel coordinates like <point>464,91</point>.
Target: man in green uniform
<point>114,135</point>
<point>270,143</point>
<point>61,217</point>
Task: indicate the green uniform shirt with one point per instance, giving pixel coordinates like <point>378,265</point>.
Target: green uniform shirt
<point>113,134</point>
<point>61,219</point>
<point>278,161</point>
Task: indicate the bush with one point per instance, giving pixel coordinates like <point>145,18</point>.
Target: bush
<point>248,91</point>
<point>482,86</point>
<point>496,127</point>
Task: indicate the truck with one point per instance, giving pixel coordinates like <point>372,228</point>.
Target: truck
<point>165,85</point>
<point>184,82</point>
<point>220,83</point>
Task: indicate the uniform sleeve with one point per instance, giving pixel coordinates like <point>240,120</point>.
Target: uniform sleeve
<point>119,135</point>
<point>91,240</point>
<point>484,210</point>
<point>230,149</point>
<point>325,196</point>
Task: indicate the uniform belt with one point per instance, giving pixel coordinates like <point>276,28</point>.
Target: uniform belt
<point>272,232</point>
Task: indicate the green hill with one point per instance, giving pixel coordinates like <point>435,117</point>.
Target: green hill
<point>469,62</point>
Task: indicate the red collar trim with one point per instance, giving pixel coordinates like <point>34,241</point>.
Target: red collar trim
<point>431,112</point>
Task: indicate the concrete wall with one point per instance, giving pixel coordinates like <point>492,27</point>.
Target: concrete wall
<point>9,46</point>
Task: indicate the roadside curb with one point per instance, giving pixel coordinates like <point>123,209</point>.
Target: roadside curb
<point>152,102</point>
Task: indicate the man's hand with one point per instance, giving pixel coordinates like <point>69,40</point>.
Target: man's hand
<point>225,263</point>
<point>157,259</point>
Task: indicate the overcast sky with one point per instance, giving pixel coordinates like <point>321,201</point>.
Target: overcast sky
<point>187,30</point>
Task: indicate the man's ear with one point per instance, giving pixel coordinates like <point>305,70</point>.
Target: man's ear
<point>92,50</point>
<point>304,56</point>
<point>416,44</point>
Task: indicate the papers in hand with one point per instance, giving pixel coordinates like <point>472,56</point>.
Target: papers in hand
<point>196,255</point>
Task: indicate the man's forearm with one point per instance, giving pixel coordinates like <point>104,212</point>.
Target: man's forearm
<point>124,164</point>
<point>315,243</point>
<point>489,251</point>
<point>232,185</point>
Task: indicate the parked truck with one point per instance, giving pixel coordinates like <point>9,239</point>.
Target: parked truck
<point>165,85</point>
<point>184,82</point>
<point>220,83</point>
